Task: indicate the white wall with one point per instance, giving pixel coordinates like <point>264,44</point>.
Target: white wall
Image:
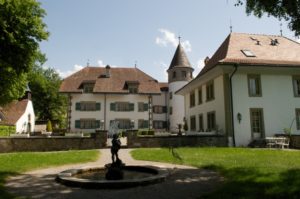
<point>110,115</point>
<point>278,103</point>
<point>22,123</point>
<point>216,105</point>
<point>177,104</point>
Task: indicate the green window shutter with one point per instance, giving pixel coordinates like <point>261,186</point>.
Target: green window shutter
<point>98,106</point>
<point>78,107</point>
<point>97,124</point>
<point>112,106</point>
<point>165,109</point>
<point>77,124</point>
<point>131,106</point>
<point>146,124</point>
<point>145,107</point>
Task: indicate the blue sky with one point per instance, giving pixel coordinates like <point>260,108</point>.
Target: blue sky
<point>124,32</point>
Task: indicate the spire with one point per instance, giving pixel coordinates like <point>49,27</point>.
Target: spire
<point>180,59</point>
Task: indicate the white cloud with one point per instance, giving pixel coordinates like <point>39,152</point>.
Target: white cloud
<point>199,66</point>
<point>169,38</point>
<point>100,63</point>
<point>65,74</point>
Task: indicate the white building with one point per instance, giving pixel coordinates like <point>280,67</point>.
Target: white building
<point>262,74</point>
<point>19,113</point>
<point>98,96</point>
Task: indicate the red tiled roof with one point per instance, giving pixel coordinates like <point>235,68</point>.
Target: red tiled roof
<point>285,53</point>
<point>13,111</point>
<point>113,84</point>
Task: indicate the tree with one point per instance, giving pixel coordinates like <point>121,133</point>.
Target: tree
<point>21,30</point>
<point>288,10</point>
<point>48,103</point>
<point>49,126</point>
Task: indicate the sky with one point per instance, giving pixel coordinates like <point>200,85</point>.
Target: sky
<point>125,33</point>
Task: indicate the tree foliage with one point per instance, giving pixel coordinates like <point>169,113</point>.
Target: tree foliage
<point>21,30</point>
<point>282,9</point>
<point>48,103</point>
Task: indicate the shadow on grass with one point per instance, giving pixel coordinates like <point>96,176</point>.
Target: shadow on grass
<point>3,193</point>
<point>248,183</point>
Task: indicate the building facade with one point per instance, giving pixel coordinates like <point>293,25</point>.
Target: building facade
<point>248,90</point>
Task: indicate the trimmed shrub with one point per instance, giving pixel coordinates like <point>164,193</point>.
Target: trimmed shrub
<point>49,126</point>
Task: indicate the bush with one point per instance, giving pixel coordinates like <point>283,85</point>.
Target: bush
<point>7,130</point>
<point>49,126</point>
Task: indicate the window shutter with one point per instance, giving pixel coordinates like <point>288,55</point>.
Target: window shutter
<point>112,106</point>
<point>164,109</point>
<point>77,124</point>
<point>164,125</point>
<point>145,107</point>
<point>78,107</point>
<point>97,124</point>
<point>131,106</point>
<point>98,106</point>
<point>146,124</point>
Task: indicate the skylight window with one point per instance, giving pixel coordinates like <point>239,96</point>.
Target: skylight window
<point>248,53</point>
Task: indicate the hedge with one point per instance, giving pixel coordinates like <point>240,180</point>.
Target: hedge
<point>7,130</point>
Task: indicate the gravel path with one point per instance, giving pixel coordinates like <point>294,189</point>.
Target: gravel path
<point>183,182</point>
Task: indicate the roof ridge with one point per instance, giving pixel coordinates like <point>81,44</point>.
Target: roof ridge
<point>257,34</point>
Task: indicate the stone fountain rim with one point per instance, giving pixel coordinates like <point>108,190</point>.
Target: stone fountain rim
<point>67,178</point>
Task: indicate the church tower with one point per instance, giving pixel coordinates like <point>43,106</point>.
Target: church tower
<point>180,73</point>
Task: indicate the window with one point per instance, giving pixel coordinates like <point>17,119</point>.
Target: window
<point>122,106</point>
<point>133,89</point>
<point>193,123</point>
<point>192,99</point>
<point>296,85</point>
<point>88,87</point>
<point>174,74</point>
<point>124,123</point>
<point>210,91</point>
<point>211,121</point>
<point>159,109</point>
<point>183,74</point>
<point>142,107</point>
<point>199,95</point>
<point>201,127</point>
<point>142,124</point>
<point>159,124</point>
<point>248,53</point>
<point>88,106</point>
<point>254,85</point>
<point>171,110</point>
<point>170,95</point>
<point>256,120</point>
<point>298,118</point>
<point>87,124</point>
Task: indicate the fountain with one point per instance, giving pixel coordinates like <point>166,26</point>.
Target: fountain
<point>115,175</point>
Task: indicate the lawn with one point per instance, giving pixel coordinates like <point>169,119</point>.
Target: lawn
<point>16,163</point>
<point>249,173</point>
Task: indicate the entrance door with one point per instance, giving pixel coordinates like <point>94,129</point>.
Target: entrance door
<point>257,123</point>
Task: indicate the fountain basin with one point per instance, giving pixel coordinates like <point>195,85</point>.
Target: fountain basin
<point>94,178</point>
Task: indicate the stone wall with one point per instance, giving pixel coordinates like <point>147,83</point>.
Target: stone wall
<point>96,141</point>
<point>176,141</point>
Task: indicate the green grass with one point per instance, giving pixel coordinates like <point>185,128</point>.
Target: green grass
<point>16,163</point>
<point>249,173</point>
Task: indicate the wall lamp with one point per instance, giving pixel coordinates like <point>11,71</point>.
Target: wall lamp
<point>239,117</point>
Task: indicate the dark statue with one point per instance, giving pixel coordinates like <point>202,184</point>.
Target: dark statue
<point>115,168</point>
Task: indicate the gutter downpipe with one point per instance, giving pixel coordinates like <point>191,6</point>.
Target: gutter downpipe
<point>231,103</point>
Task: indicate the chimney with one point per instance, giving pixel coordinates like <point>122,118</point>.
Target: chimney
<point>107,71</point>
<point>206,60</point>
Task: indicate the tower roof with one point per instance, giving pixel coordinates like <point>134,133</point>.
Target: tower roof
<point>180,59</point>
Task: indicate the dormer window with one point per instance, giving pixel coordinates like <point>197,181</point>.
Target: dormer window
<point>132,86</point>
<point>88,87</point>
